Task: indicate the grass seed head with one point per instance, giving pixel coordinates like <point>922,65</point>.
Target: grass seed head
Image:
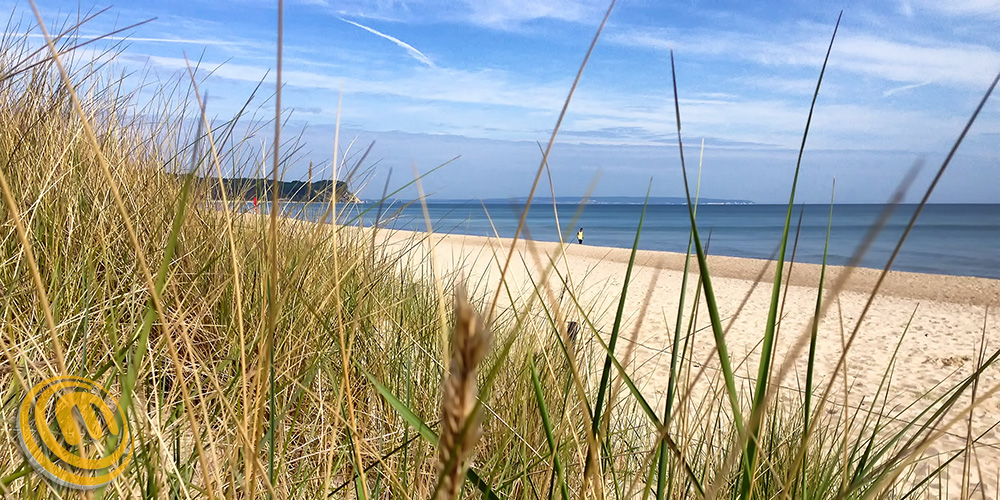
<point>460,423</point>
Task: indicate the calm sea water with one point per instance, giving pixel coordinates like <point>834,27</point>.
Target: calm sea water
<point>947,239</point>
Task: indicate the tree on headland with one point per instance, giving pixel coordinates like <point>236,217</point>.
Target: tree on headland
<point>246,188</point>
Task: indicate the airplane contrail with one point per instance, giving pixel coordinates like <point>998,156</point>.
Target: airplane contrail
<point>416,54</point>
<point>904,88</point>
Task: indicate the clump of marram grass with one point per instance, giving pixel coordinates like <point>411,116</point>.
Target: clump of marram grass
<point>196,369</point>
<point>461,427</point>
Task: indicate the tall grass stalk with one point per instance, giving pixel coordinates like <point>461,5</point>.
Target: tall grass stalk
<point>545,156</point>
<point>706,281</point>
<point>814,334</point>
<point>770,332</point>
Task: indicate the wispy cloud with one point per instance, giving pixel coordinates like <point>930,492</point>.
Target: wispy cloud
<point>988,8</point>
<point>510,13</point>
<point>786,86</point>
<point>416,54</point>
<point>507,15</point>
<point>933,61</point>
<point>518,109</point>
<point>964,65</point>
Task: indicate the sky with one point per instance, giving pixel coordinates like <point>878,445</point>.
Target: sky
<point>485,81</point>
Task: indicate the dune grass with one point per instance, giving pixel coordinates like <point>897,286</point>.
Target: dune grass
<point>262,357</point>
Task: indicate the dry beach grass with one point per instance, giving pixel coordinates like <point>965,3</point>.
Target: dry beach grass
<point>259,358</point>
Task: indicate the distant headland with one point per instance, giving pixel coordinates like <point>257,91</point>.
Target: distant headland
<point>247,188</point>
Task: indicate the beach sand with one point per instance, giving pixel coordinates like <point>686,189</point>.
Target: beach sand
<point>951,318</point>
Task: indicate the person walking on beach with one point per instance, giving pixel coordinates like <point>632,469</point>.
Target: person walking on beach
<point>579,235</point>
<point>254,203</point>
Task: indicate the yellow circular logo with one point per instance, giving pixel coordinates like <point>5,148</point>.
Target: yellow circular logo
<point>73,432</point>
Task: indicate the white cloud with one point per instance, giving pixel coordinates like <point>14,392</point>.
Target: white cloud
<point>906,9</point>
<point>460,102</point>
<point>507,13</point>
<point>786,86</point>
<point>483,102</point>
<point>989,8</point>
<point>960,64</point>
<point>955,64</point>
<point>496,14</point>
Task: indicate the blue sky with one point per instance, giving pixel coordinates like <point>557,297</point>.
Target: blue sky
<point>486,79</point>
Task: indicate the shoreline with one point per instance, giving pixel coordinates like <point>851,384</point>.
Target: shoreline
<point>944,241</point>
<point>970,290</point>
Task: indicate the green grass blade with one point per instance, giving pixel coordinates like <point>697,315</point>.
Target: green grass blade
<point>272,281</point>
<point>418,423</point>
<point>132,371</point>
<point>644,405</point>
<point>764,372</point>
<point>706,281</point>
<point>902,239</point>
<point>606,372</point>
<point>545,157</point>
<point>550,438</point>
<point>814,334</point>
<point>674,353</point>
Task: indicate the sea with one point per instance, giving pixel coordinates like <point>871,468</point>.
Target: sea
<point>953,239</point>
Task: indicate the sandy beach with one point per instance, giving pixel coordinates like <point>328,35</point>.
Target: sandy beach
<point>951,318</point>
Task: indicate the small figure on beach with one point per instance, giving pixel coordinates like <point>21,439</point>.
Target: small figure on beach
<point>579,235</point>
<point>254,203</point>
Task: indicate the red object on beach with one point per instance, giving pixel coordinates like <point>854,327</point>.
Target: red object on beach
<point>255,201</point>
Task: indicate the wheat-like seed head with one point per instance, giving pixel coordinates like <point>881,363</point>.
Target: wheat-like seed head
<point>460,424</point>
